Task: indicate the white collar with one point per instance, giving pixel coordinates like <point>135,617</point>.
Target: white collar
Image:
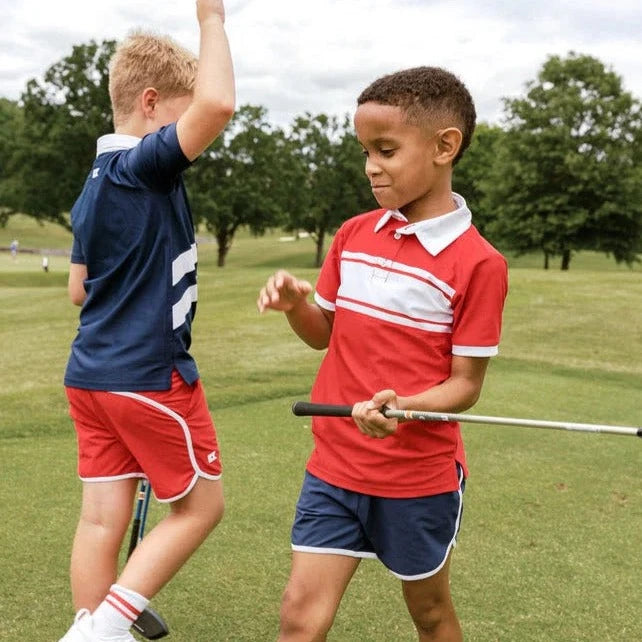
<point>115,142</point>
<point>435,234</point>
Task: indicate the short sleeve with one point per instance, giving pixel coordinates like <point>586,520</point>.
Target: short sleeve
<point>77,255</point>
<point>329,280</point>
<point>157,161</point>
<point>477,313</point>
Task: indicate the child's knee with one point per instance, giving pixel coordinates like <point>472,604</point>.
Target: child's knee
<point>216,514</point>
<point>431,613</point>
<point>205,508</point>
<point>209,516</point>
<point>301,614</point>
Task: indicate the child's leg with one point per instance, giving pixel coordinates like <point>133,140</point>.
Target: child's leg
<point>104,518</point>
<point>431,607</point>
<point>163,551</point>
<point>313,594</point>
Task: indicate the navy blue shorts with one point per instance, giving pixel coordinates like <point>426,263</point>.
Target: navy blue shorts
<point>412,537</point>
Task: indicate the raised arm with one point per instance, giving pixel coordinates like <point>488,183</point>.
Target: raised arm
<point>214,91</point>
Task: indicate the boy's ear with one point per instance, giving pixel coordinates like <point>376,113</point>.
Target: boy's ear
<point>448,144</point>
<point>148,101</point>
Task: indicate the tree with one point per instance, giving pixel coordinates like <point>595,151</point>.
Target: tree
<point>63,116</point>
<point>334,183</point>
<point>472,170</point>
<point>239,180</point>
<point>10,124</point>
<point>565,177</point>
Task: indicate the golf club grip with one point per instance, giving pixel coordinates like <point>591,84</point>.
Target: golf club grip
<point>307,409</point>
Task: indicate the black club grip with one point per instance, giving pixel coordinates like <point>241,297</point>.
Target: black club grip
<point>307,409</point>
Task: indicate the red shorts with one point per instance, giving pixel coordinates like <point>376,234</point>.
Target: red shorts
<point>166,436</point>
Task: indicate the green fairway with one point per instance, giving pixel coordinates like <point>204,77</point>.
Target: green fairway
<point>550,544</point>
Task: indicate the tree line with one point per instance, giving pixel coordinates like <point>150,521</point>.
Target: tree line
<point>561,174</point>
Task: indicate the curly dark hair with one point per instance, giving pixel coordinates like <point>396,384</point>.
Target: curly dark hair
<point>428,95</point>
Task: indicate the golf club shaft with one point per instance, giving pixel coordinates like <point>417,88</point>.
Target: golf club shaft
<point>304,408</point>
<point>149,623</point>
<point>147,493</point>
<point>135,533</point>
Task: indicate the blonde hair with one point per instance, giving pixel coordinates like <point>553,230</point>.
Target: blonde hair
<point>143,60</point>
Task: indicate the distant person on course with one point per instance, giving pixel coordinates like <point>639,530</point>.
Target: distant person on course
<point>134,391</point>
<point>409,305</point>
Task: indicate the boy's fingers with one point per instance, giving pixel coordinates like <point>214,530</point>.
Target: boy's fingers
<point>282,289</point>
<point>305,287</point>
<point>262,300</point>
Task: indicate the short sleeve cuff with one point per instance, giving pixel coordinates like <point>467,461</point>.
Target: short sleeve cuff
<point>475,351</point>
<point>324,303</point>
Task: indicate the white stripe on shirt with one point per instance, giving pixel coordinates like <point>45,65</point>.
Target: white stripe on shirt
<point>401,267</point>
<point>183,264</point>
<point>181,308</point>
<point>395,292</point>
<point>393,318</point>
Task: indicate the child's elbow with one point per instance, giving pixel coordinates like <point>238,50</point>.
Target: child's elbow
<point>468,395</point>
<point>76,296</point>
<point>225,111</point>
<point>220,109</point>
<point>473,397</point>
<point>227,108</point>
<point>470,398</point>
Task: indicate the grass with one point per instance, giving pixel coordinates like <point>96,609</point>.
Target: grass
<point>549,550</point>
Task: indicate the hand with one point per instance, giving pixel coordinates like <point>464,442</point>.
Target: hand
<point>369,418</point>
<point>283,291</point>
<point>207,8</point>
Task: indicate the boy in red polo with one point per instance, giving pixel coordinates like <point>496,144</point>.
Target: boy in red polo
<point>408,304</point>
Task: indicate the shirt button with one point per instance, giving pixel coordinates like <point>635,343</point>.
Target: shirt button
<point>397,236</point>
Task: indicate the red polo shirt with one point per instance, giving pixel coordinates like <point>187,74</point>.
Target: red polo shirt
<point>406,298</point>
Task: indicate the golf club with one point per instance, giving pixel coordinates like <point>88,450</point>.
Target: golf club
<point>305,408</point>
<point>149,623</point>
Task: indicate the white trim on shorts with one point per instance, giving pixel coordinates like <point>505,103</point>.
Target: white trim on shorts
<point>188,440</point>
<point>91,480</point>
<point>370,555</point>
<point>333,551</point>
<point>451,545</point>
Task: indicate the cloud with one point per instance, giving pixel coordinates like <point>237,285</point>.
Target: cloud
<point>292,56</point>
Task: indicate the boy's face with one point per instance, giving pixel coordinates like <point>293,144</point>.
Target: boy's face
<point>399,158</point>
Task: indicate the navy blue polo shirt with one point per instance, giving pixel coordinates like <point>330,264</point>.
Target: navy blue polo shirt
<point>133,230</point>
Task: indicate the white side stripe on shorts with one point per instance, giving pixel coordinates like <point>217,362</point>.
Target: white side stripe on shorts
<point>453,541</point>
<point>188,437</point>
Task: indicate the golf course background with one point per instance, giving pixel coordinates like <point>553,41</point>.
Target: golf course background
<point>550,544</point>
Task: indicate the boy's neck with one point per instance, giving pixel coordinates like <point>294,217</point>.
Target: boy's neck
<point>130,131</point>
<point>135,125</point>
<point>437,202</point>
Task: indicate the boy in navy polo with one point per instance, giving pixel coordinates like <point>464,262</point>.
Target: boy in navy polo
<point>409,304</point>
<point>133,388</point>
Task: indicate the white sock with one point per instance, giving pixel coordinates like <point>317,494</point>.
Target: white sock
<point>118,611</point>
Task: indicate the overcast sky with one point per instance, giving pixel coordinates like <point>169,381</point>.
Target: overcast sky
<point>297,56</point>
